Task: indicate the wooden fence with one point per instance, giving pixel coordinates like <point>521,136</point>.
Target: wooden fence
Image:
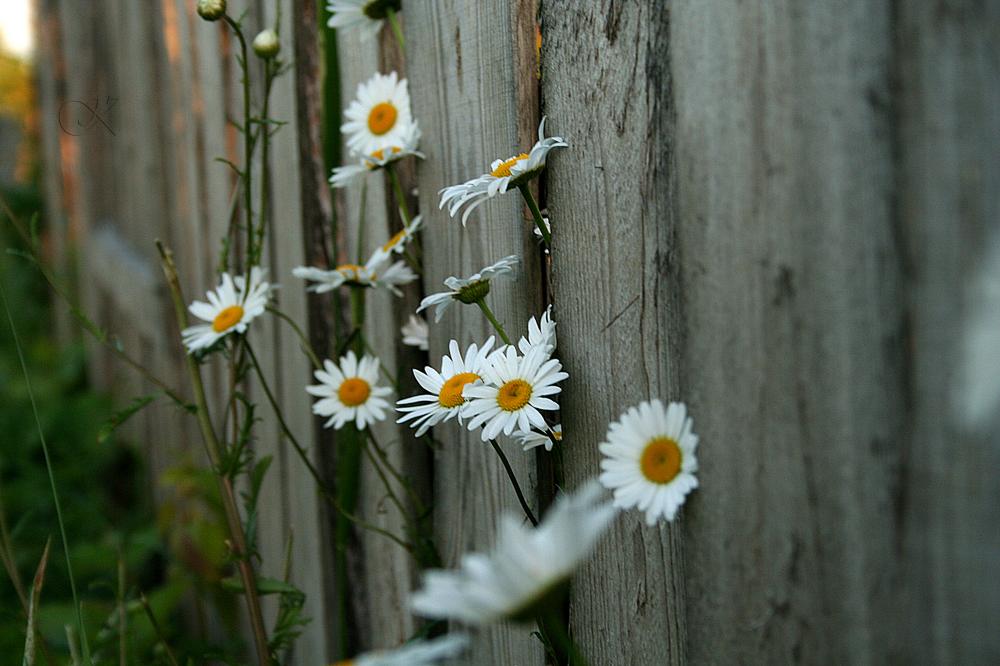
<point>778,212</point>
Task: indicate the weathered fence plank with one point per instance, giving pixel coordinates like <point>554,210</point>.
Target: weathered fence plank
<point>462,81</point>
<point>605,88</point>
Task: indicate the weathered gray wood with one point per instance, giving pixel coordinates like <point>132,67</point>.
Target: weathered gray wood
<point>948,221</point>
<point>605,88</point>
<point>460,64</point>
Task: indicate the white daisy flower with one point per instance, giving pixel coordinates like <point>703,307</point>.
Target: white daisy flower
<point>513,390</point>
<point>342,176</point>
<point>468,290</point>
<point>415,653</point>
<point>379,118</point>
<point>503,175</point>
<point>366,16</point>
<point>349,392</point>
<point>443,400</point>
<point>377,272</point>
<point>525,568</point>
<point>416,333</point>
<point>532,439</point>
<point>541,333</point>
<point>649,459</point>
<point>230,308</point>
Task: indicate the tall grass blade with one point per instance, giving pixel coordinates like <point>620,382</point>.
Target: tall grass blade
<point>36,594</point>
<point>52,478</point>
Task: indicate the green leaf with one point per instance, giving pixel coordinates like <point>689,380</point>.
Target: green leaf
<point>36,593</point>
<point>120,417</point>
<point>264,586</point>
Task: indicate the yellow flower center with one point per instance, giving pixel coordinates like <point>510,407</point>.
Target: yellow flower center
<point>354,391</point>
<point>503,169</point>
<point>394,241</point>
<point>557,435</point>
<point>661,460</point>
<point>450,394</point>
<point>350,271</point>
<point>382,118</point>
<point>228,318</point>
<point>514,395</point>
<point>380,155</point>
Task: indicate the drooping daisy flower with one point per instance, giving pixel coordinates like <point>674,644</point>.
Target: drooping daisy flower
<point>649,459</point>
<point>513,390</point>
<point>366,16</point>
<point>468,290</point>
<point>541,333</point>
<point>415,333</point>
<point>397,244</point>
<point>230,308</point>
<point>377,272</point>
<point>379,118</point>
<point>417,652</point>
<point>443,400</point>
<point>349,392</point>
<point>532,439</point>
<point>526,568</point>
<point>379,159</point>
<point>503,175</point>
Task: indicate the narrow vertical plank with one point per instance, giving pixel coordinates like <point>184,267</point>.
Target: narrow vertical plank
<point>605,88</point>
<point>948,114</point>
<point>791,352</point>
<point>461,70</point>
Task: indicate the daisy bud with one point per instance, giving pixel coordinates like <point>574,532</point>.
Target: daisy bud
<point>266,44</point>
<point>211,10</point>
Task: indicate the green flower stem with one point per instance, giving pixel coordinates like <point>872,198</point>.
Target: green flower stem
<point>52,477</point>
<point>404,209</point>
<point>214,450</point>
<point>513,481</point>
<point>247,139</point>
<point>270,70</point>
<point>552,626</point>
<point>158,630</point>
<point>493,320</point>
<point>307,348</point>
<point>537,214</point>
<point>397,29</point>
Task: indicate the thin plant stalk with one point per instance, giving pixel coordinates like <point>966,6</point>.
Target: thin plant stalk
<point>51,473</point>
<point>122,615</point>
<point>214,450</point>
<point>303,340</point>
<point>553,627</point>
<point>513,481</point>
<point>535,213</point>
<point>157,629</point>
<point>404,209</point>
<point>247,138</point>
<point>397,29</point>
<point>493,320</point>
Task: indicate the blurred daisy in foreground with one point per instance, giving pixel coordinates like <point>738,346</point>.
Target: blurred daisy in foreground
<point>365,16</point>
<point>533,439</point>
<point>513,392</point>
<point>417,652</point>
<point>527,568</point>
<point>230,308</point>
<point>342,176</point>
<point>649,459</point>
<point>377,272</point>
<point>541,333</point>
<point>504,174</point>
<point>349,391</point>
<point>415,332</point>
<point>379,118</point>
<point>443,400</point>
<point>472,289</point>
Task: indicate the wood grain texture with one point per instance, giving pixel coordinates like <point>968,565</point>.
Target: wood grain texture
<point>790,281</point>
<point>606,90</point>
<point>948,115</point>
<point>460,66</point>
